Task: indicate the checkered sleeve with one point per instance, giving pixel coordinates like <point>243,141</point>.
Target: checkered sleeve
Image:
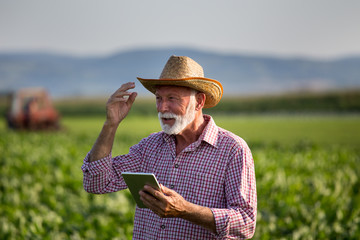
<point>104,175</point>
<point>96,174</point>
<point>238,220</point>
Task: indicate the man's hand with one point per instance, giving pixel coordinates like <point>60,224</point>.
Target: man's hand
<point>169,204</point>
<point>117,107</point>
<point>119,104</point>
<point>166,204</point>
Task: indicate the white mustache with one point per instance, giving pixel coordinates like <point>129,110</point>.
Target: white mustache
<point>168,115</point>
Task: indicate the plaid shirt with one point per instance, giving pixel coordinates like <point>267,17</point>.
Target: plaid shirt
<point>216,171</point>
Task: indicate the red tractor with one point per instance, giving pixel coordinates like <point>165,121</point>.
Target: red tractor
<point>31,108</point>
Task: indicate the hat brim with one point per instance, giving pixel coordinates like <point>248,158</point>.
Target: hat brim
<point>212,88</point>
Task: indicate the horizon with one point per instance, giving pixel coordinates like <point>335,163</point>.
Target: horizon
<point>240,74</point>
<point>177,48</point>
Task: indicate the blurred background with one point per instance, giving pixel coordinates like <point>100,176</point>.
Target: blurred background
<point>291,77</point>
<point>87,48</point>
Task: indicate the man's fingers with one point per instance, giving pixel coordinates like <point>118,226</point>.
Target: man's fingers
<point>167,191</point>
<point>132,97</point>
<point>126,86</point>
<point>150,200</point>
<point>153,207</point>
<point>167,203</point>
<point>147,198</point>
<point>155,194</point>
<point>121,94</point>
<point>152,191</point>
<point>123,97</point>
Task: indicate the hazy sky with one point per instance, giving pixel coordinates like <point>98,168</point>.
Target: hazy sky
<point>313,28</point>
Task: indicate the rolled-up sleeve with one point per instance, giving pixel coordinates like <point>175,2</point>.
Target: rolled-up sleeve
<point>234,223</point>
<point>238,220</point>
<point>97,175</point>
<point>96,167</point>
<point>104,175</point>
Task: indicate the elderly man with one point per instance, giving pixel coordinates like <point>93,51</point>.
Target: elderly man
<point>207,176</point>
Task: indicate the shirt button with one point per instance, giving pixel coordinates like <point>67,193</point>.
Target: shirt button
<point>162,226</point>
<point>176,165</point>
<point>172,186</point>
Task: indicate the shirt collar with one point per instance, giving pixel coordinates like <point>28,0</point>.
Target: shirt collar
<point>211,131</point>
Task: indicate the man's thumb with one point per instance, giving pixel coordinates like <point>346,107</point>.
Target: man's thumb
<point>132,97</point>
<point>165,190</point>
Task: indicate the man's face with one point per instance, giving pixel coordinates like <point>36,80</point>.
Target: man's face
<point>176,108</point>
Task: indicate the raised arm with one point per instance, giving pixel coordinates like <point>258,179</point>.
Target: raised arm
<point>117,108</point>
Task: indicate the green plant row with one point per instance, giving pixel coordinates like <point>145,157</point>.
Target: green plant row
<point>332,102</point>
<point>307,189</point>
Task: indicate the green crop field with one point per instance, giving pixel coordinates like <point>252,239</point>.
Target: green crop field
<point>307,169</point>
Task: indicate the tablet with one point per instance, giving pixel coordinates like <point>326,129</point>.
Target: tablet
<point>137,181</point>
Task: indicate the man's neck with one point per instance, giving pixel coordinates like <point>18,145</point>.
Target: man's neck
<point>190,134</point>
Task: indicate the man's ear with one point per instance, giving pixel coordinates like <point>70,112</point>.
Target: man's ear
<point>200,101</point>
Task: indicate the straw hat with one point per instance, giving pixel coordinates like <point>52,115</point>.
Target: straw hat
<point>183,71</point>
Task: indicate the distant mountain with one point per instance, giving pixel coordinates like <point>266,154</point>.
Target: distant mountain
<point>239,74</point>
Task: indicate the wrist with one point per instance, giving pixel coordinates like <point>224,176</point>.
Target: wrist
<point>111,125</point>
<point>188,210</point>
<point>200,215</point>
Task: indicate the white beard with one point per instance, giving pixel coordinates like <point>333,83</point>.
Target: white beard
<point>181,121</point>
